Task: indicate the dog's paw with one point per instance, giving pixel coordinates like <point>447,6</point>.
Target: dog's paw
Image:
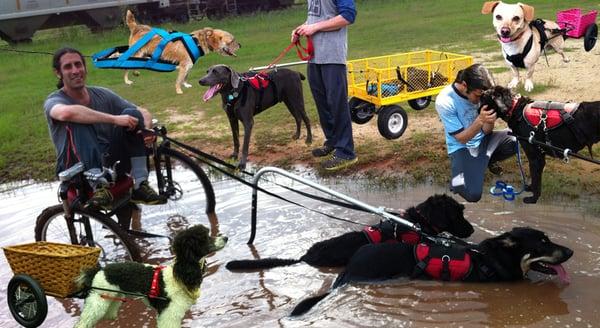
<point>566,59</point>
<point>187,85</point>
<point>179,92</point>
<point>513,83</point>
<point>129,82</point>
<point>528,85</point>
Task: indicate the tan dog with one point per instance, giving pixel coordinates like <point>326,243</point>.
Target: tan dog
<point>520,41</point>
<point>209,40</point>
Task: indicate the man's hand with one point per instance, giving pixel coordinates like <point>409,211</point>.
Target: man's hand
<point>487,116</point>
<point>127,121</point>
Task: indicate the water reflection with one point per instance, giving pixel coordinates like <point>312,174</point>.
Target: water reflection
<point>264,298</point>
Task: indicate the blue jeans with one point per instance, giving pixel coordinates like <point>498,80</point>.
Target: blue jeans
<point>329,87</point>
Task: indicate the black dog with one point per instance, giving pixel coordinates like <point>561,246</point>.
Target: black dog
<point>249,94</point>
<point>577,126</point>
<point>438,213</point>
<point>507,257</point>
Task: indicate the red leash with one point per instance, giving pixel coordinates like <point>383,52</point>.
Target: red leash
<point>304,53</point>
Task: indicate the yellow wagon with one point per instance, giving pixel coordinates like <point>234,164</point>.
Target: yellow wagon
<point>377,84</point>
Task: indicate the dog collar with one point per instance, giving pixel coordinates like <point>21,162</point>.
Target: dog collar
<point>515,39</point>
<point>514,105</point>
<point>154,288</point>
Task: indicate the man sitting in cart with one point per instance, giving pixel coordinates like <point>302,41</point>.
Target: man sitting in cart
<point>88,124</point>
<point>472,142</point>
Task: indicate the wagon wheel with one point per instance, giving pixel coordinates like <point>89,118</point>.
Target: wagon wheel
<point>420,103</point>
<point>591,34</point>
<point>361,111</point>
<point>392,121</point>
<point>26,301</point>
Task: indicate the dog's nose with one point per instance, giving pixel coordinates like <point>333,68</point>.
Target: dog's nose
<point>505,32</point>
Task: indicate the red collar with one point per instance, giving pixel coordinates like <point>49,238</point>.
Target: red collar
<point>514,105</point>
<point>154,288</point>
<point>517,38</point>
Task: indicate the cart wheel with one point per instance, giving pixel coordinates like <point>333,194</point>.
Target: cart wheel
<point>591,34</point>
<point>27,301</point>
<point>421,103</point>
<point>361,111</point>
<point>392,121</point>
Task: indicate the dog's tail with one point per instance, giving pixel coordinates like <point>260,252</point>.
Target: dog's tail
<point>84,280</point>
<point>259,264</point>
<point>307,304</point>
<point>130,20</point>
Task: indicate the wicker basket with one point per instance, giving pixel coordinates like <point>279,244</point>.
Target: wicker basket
<point>53,265</point>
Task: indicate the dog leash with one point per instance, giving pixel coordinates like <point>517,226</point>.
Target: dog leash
<point>304,53</point>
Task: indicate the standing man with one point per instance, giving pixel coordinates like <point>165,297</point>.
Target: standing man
<point>96,126</point>
<point>327,26</point>
<point>472,143</point>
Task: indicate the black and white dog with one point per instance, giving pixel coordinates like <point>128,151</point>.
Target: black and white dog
<point>246,95</point>
<point>507,257</point>
<point>439,213</point>
<point>569,125</point>
<point>171,290</point>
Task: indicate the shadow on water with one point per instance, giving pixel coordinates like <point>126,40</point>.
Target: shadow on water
<point>265,298</point>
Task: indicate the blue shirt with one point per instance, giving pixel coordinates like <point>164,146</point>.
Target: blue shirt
<point>457,113</point>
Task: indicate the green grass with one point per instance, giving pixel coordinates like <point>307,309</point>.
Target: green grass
<point>382,27</point>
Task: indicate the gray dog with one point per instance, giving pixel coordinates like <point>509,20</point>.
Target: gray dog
<point>245,95</point>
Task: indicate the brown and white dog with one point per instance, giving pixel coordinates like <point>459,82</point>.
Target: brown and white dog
<point>520,40</point>
<point>209,40</point>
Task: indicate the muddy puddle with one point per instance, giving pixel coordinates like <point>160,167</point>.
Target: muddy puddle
<point>265,298</point>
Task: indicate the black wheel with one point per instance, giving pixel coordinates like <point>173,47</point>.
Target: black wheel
<point>361,111</point>
<point>421,103</point>
<point>103,232</point>
<point>392,121</point>
<point>591,34</point>
<point>186,185</point>
<point>26,301</point>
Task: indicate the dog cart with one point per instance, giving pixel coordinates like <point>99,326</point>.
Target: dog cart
<point>41,269</point>
<point>575,24</point>
<point>377,84</point>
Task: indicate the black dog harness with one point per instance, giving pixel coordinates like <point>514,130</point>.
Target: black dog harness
<point>517,60</point>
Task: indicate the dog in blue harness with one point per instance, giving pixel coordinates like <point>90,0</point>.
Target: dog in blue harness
<point>523,39</point>
<point>206,39</point>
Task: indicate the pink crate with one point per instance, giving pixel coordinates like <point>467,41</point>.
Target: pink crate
<point>576,23</point>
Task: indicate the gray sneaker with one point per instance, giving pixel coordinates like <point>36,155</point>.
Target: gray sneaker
<point>146,195</point>
<point>336,163</point>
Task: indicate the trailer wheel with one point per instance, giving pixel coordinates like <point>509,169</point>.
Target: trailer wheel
<point>591,35</point>
<point>421,103</point>
<point>361,111</point>
<point>26,301</point>
<point>392,121</point>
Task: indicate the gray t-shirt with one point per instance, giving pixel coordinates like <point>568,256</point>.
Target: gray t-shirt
<point>101,99</point>
<point>331,47</point>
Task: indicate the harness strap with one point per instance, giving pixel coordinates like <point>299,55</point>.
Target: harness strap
<point>517,59</point>
<point>154,288</point>
<point>106,58</point>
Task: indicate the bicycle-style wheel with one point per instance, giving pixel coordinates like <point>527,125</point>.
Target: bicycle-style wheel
<point>26,301</point>
<point>87,229</point>
<point>187,187</point>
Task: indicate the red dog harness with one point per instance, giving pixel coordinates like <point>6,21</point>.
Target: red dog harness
<point>441,262</point>
<point>375,236</point>
<point>552,114</point>
<point>154,288</point>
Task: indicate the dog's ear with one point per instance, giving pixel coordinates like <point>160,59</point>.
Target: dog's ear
<point>488,6</point>
<point>528,11</point>
<point>235,78</point>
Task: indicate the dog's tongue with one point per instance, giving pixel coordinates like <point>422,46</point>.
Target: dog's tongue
<point>561,273</point>
<point>211,92</point>
<point>505,39</point>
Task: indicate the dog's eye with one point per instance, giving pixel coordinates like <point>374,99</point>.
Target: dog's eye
<point>516,19</point>
<point>498,17</point>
